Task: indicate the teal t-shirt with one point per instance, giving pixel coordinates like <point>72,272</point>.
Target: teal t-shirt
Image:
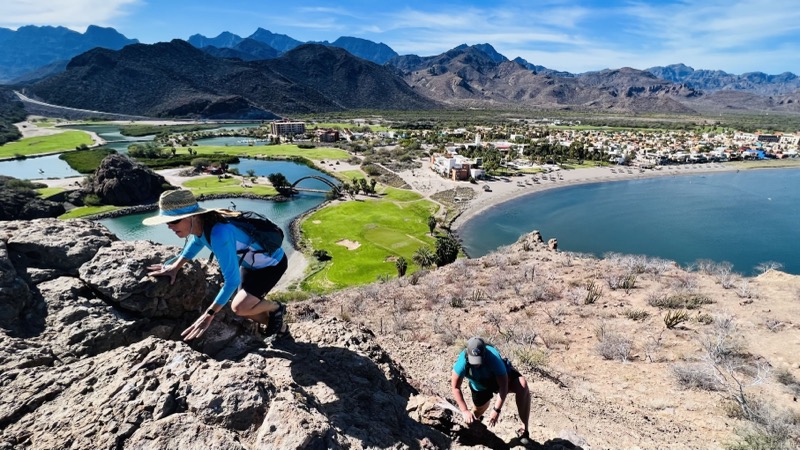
<point>481,377</point>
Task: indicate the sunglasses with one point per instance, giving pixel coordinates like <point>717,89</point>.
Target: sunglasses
<point>174,222</point>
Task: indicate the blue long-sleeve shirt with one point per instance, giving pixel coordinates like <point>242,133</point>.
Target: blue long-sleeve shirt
<point>228,242</point>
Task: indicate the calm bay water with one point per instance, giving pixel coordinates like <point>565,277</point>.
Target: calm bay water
<point>744,218</point>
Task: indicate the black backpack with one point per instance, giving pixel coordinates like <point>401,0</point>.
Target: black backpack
<point>262,230</point>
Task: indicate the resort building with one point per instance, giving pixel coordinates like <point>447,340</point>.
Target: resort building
<point>327,135</point>
<point>287,128</point>
<point>457,168</point>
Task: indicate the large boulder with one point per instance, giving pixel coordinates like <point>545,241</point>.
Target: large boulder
<point>123,182</point>
<point>18,201</point>
<point>100,363</point>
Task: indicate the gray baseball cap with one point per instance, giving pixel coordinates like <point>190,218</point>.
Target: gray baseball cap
<point>475,350</point>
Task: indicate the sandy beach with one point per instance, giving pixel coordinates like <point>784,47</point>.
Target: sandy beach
<point>428,183</point>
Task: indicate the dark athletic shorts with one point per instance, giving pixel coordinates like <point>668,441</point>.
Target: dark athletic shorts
<point>259,282</point>
<point>480,398</point>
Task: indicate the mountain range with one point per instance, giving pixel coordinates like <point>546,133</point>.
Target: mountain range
<point>268,74</point>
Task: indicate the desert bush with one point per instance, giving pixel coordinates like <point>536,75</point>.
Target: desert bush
<point>553,340</point>
<point>530,359</point>
<point>768,265</point>
<point>576,295</point>
<point>722,341</point>
<point>543,292</point>
<point>674,318</point>
<point>400,322</point>
<point>658,266</point>
<point>593,293</point>
<point>636,314</point>
<point>614,280</point>
<point>768,428</point>
<point>555,314</point>
<point>684,282</point>
<point>678,301</point>
<point>704,318</point>
<point>652,346</point>
<point>416,276</point>
<point>456,301</point>
<point>523,334</point>
<point>477,295</point>
<point>344,314</point>
<point>743,289</point>
<point>696,375</point>
<point>614,346</point>
<point>705,266</point>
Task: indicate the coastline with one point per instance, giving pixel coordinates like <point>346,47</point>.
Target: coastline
<point>505,191</point>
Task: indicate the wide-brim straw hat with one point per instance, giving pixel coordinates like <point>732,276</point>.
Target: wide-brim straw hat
<point>175,205</point>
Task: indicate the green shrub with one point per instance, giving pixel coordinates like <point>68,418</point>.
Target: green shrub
<point>92,200</point>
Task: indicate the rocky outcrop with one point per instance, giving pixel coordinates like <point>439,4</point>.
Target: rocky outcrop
<point>123,182</point>
<point>91,357</point>
<point>18,202</point>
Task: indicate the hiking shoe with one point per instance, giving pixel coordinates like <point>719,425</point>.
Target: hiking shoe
<point>524,437</point>
<point>275,324</point>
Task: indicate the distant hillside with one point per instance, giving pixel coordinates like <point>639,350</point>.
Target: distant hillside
<point>469,77</point>
<point>542,69</point>
<point>352,82</point>
<point>717,80</point>
<point>363,48</point>
<point>178,80</point>
<point>223,40</point>
<point>11,112</point>
<point>378,53</point>
<point>279,42</point>
<point>31,47</point>
<point>246,50</point>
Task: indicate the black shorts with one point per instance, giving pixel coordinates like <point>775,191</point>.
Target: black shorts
<point>480,398</point>
<point>259,282</point>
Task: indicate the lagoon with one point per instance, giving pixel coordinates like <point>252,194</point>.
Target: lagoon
<point>745,218</point>
<point>130,227</point>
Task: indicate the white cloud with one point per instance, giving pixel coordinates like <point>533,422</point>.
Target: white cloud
<point>74,14</point>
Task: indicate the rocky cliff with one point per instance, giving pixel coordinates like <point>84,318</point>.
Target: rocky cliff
<point>90,357</point>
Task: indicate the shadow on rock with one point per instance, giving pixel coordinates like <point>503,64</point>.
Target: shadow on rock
<point>346,377</point>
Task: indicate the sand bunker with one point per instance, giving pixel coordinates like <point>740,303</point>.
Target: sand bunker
<point>349,244</point>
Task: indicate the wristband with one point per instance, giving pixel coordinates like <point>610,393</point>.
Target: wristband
<point>210,312</point>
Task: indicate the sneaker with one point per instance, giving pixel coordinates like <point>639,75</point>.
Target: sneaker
<point>524,437</point>
<point>275,324</point>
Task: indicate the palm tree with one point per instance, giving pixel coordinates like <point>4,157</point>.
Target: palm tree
<point>431,224</point>
<point>401,266</point>
<point>424,258</point>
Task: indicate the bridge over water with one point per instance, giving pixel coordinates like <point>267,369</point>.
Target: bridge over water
<point>337,188</point>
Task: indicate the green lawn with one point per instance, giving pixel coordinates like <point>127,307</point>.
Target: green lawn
<point>213,185</point>
<point>343,125</point>
<point>384,229</point>
<point>60,142</point>
<point>348,175</point>
<point>275,151</point>
<point>85,211</point>
<point>49,191</point>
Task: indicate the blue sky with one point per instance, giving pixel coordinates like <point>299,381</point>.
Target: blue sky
<point>736,36</point>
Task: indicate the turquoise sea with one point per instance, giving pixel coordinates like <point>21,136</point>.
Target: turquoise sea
<point>745,218</point>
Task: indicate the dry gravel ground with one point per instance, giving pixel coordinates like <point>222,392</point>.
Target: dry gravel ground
<point>600,378</point>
